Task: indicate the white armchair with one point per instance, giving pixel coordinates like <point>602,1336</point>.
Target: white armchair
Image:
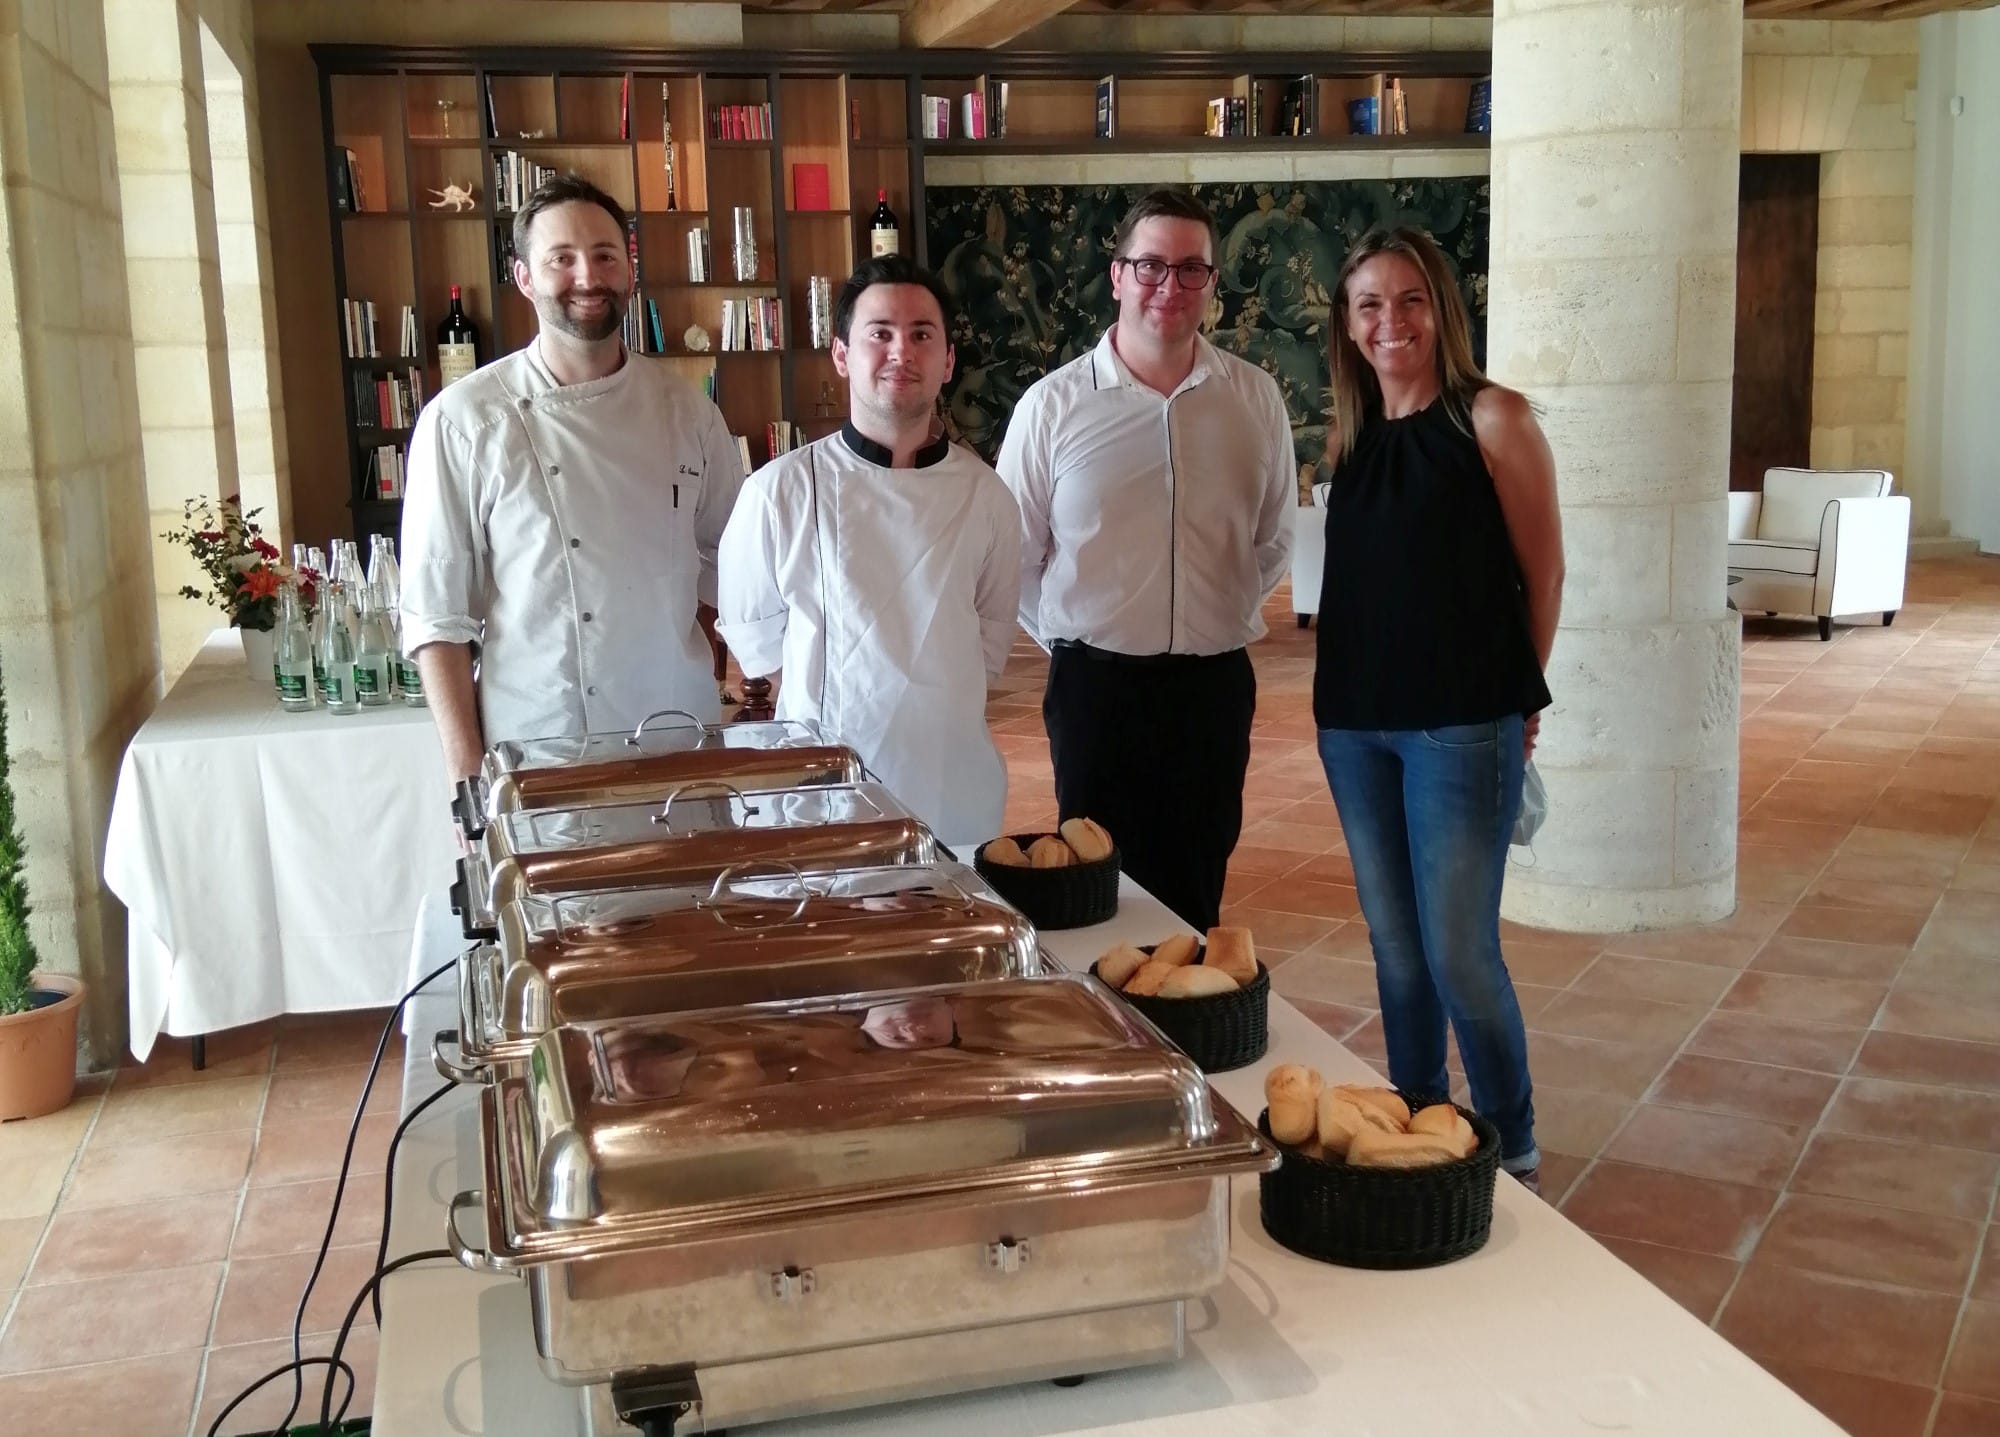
<point>1825,542</point>
<point>1309,554</point>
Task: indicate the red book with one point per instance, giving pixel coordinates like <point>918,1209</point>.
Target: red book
<point>809,187</point>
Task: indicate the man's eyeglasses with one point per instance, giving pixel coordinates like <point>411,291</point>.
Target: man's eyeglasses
<point>1192,273</point>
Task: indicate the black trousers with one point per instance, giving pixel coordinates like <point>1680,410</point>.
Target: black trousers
<point>1155,749</point>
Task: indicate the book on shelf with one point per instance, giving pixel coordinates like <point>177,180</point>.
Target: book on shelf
<point>515,177</point>
<point>1364,116</point>
<point>972,114</point>
<point>699,255</point>
<point>654,329</point>
<point>347,182</point>
<point>740,122</point>
<point>991,94</point>
<point>935,111</point>
<point>752,324</point>
<point>1479,107</point>
<point>781,436</point>
<point>1249,91</point>
<point>492,115</point>
<point>1396,114</point>
<point>625,107</point>
<point>388,401</point>
<point>385,472</point>
<point>1298,108</point>
<point>743,452</point>
<point>357,322</point>
<point>408,345</point>
<point>810,187</point>
<point>1228,116</point>
<point>1107,108</point>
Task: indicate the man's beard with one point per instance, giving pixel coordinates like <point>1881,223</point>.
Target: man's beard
<point>906,409</point>
<point>555,313</point>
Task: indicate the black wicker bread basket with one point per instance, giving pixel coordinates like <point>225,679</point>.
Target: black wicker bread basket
<point>1220,1031</point>
<point>1381,1217</point>
<point>1072,897</point>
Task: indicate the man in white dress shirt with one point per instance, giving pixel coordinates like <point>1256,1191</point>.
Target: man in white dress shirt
<point>1156,482</point>
<point>880,567</point>
<point>564,507</point>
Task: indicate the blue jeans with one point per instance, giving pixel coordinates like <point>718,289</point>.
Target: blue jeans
<point>1427,814</point>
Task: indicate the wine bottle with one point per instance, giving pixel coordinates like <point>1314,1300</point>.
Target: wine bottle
<point>883,235</point>
<point>458,343</point>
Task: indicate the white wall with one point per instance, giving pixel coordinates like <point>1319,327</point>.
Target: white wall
<point>1955,350</point>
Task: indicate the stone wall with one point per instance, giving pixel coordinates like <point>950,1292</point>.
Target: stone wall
<point>78,641</point>
<point>1861,352</point>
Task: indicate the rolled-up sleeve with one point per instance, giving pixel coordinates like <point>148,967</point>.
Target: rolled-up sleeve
<point>750,608</point>
<point>444,539</point>
<point>998,596</point>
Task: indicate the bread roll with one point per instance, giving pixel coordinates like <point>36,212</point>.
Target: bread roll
<point>1195,981</point>
<point>1374,1149</point>
<point>1050,852</point>
<point>1234,952</point>
<point>1338,1122</point>
<point>1177,950</point>
<point>1087,839</point>
<point>1294,1119</point>
<point>1441,1120</point>
<point>1146,982</point>
<point>1005,851</point>
<point>1292,1080</point>
<point>1382,1100</point>
<point>1118,966</point>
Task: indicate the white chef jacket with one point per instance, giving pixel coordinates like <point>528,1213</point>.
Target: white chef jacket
<point>1151,523</point>
<point>887,596</point>
<point>567,530</point>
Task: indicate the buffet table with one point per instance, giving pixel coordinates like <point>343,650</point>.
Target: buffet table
<point>271,862</point>
<point>1541,1332</point>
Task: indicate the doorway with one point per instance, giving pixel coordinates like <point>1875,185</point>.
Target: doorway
<point>1777,280</point>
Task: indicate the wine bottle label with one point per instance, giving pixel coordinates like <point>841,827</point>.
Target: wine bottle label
<point>881,242</point>
<point>292,686</point>
<point>455,361</point>
<point>410,677</point>
<point>366,679</point>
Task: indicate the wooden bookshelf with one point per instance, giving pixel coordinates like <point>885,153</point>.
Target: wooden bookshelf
<point>415,120</point>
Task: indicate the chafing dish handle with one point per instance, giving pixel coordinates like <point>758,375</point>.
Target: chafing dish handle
<point>473,1259</point>
<point>465,808</point>
<point>707,785</point>
<point>461,889</point>
<point>455,1068</point>
<point>637,733</point>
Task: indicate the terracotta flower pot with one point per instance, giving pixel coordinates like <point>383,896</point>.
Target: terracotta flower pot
<point>38,1051</point>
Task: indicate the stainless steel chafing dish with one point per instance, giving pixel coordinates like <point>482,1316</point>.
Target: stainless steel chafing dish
<point>772,1211</point>
<point>648,764</point>
<point>701,831</point>
<point>747,939</point>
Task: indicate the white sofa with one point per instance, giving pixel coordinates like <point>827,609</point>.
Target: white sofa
<point>1825,542</point>
<point>1309,554</point>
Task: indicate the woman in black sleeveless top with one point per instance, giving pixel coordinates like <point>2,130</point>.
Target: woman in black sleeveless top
<point>1443,581</point>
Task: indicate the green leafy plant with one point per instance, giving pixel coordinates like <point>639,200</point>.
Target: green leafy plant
<point>17,948</point>
<point>243,568</point>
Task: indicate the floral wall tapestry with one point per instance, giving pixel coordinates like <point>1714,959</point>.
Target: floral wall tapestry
<point>1029,270</point>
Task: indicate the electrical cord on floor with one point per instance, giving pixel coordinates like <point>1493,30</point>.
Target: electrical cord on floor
<point>331,1364</point>
<point>326,1415</point>
<point>389,1186</point>
<point>300,1362</point>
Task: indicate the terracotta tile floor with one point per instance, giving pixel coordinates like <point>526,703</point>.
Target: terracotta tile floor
<point>1789,1121</point>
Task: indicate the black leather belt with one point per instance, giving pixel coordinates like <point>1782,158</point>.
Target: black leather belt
<point>1112,656</point>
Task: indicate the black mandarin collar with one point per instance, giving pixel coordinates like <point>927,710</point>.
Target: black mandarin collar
<point>866,448</point>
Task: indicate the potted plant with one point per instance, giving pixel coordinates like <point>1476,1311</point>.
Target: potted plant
<point>244,573</point>
<point>38,1011</point>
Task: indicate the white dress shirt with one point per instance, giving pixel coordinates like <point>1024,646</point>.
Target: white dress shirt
<point>1151,523</point>
<point>567,531</point>
<point>887,598</point>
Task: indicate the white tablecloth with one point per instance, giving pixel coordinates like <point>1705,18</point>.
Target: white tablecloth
<point>1542,1332</point>
<point>271,862</point>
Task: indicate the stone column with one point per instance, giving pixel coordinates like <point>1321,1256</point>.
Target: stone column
<point>1612,294</point>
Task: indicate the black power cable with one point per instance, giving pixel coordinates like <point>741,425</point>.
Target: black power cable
<point>300,1362</point>
<point>389,1186</point>
<point>326,1415</point>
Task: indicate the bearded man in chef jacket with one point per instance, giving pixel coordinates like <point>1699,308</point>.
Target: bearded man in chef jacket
<point>563,510</point>
<point>879,569</point>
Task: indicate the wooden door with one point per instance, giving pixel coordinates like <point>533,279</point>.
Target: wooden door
<point>1777,269</point>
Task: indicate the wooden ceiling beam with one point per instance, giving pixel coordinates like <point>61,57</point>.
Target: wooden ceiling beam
<point>974,24</point>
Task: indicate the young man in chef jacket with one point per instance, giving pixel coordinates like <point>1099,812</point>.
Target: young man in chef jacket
<point>879,569</point>
<point>564,507</point>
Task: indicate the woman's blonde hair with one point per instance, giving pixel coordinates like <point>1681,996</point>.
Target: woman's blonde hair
<point>1354,389</point>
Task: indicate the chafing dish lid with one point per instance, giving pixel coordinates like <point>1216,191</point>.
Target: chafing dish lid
<point>701,808</point>
<point>755,895</point>
<point>660,735</point>
<point>683,1122</point>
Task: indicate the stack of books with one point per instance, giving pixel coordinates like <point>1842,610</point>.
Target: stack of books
<point>935,113</point>
<point>385,472</point>
<point>388,401</point>
<point>515,177</point>
<point>357,317</point>
<point>739,122</point>
<point>752,324</point>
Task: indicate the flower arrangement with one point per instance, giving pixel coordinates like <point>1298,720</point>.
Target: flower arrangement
<point>243,567</point>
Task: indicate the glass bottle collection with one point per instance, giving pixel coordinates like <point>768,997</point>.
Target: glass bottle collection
<point>341,648</point>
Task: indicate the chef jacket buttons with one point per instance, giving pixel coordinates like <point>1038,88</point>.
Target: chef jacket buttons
<point>592,690</point>
<point>586,616</point>
<point>554,469</point>
<point>576,543</point>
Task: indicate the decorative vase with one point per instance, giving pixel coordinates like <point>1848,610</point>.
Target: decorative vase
<point>258,655</point>
<point>38,1049</point>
